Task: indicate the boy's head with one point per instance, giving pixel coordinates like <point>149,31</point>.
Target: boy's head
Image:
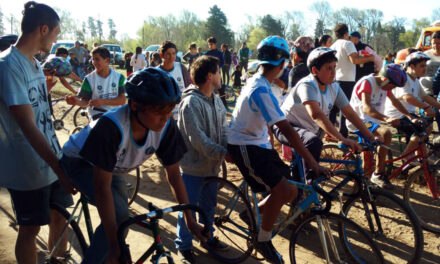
<point>435,41</point>
<point>302,46</point>
<point>322,64</point>
<point>392,76</point>
<point>273,51</point>
<point>42,21</point>
<point>100,58</point>
<point>206,68</point>
<point>62,52</point>
<point>212,43</point>
<point>72,55</point>
<point>415,63</point>
<point>168,51</point>
<point>355,37</point>
<point>341,31</point>
<point>152,95</point>
<point>192,46</point>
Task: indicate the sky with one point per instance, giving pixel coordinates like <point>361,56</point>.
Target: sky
<point>128,15</point>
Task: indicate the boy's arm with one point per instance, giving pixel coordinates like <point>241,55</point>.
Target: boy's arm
<point>120,100</point>
<point>398,105</point>
<point>315,112</point>
<point>352,116</point>
<point>369,110</point>
<point>66,84</point>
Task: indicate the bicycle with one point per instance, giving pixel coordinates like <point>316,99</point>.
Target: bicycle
<point>380,212</point>
<point>80,117</point>
<point>426,176</point>
<point>236,225</point>
<point>150,221</point>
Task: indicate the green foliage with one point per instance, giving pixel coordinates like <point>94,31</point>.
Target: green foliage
<point>217,25</point>
<point>112,30</point>
<point>271,26</point>
<point>319,29</point>
<point>92,27</point>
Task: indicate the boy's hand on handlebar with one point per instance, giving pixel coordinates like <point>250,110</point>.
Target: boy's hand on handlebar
<point>352,144</point>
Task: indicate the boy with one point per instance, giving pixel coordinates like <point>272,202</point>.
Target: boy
<point>309,103</point>
<point>97,158</point>
<point>29,148</point>
<point>202,122</point>
<point>236,75</point>
<point>368,101</point>
<point>249,146</point>
<point>102,89</point>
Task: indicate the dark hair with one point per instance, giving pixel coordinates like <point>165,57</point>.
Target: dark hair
<point>155,57</point>
<point>36,15</point>
<point>192,46</point>
<point>326,58</point>
<point>212,40</point>
<point>436,35</point>
<point>61,51</point>
<point>167,45</point>
<point>138,51</point>
<point>202,66</point>
<point>322,40</point>
<point>340,30</point>
<point>101,51</point>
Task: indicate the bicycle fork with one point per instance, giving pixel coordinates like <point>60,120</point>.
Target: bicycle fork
<point>326,237</point>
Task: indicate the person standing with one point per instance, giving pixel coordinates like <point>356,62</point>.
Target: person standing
<point>81,54</point>
<point>348,57</point>
<point>191,55</point>
<point>138,60</point>
<point>29,148</point>
<point>213,51</point>
<point>243,56</point>
<point>202,123</point>
<point>227,58</point>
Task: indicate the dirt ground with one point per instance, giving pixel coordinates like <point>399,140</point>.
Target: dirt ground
<point>154,188</point>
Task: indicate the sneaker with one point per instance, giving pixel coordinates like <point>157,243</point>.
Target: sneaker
<point>269,252</point>
<point>215,244</point>
<point>381,181</point>
<point>187,256</point>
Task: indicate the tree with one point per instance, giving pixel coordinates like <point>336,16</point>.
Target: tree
<point>217,26</point>
<point>271,26</point>
<point>319,29</point>
<point>99,29</point>
<point>410,37</point>
<point>371,24</point>
<point>352,17</point>
<point>68,24</point>
<point>92,27</point>
<point>2,27</point>
<point>256,35</point>
<point>112,30</point>
<point>323,11</point>
<point>292,23</point>
<point>393,29</point>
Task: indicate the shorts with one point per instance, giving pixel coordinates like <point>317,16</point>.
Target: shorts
<point>32,208</point>
<point>262,168</point>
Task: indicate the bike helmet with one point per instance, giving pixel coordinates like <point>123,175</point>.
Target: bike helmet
<point>319,53</point>
<point>273,50</point>
<point>152,86</point>
<point>395,74</point>
<point>416,57</point>
<point>58,66</point>
<point>302,46</point>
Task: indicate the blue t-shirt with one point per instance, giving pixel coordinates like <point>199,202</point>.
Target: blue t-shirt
<point>256,109</point>
<point>22,82</point>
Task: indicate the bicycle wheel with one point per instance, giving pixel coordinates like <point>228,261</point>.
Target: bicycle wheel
<point>334,236</point>
<point>230,226</point>
<point>134,188</point>
<point>80,117</point>
<point>332,151</point>
<point>419,197</point>
<point>69,248</point>
<point>396,229</point>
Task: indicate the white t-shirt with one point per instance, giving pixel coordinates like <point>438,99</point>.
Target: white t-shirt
<point>367,84</point>
<point>138,62</point>
<point>256,109</point>
<point>411,87</point>
<point>433,64</point>
<point>307,89</point>
<point>345,69</point>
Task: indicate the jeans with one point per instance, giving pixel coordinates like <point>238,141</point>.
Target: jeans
<point>206,199</point>
<point>81,174</point>
<point>225,74</point>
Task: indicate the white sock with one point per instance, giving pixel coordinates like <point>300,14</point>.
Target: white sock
<point>264,235</point>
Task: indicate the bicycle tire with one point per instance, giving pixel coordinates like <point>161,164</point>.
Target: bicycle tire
<point>80,118</point>
<point>132,192</point>
<point>76,244</point>
<point>418,196</point>
<point>396,218</point>
<point>229,227</point>
<point>335,152</point>
<point>353,245</point>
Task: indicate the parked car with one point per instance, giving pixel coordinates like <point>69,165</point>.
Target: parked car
<point>116,54</point>
<point>424,42</point>
<point>7,40</point>
<point>68,44</point>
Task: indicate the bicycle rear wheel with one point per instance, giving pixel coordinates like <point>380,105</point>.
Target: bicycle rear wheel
<point>68,248</point>
<point>230,226</point>
<point>334,236</point>
<point>80,117</point>
<point>419,197</point>
<point>396,229</point>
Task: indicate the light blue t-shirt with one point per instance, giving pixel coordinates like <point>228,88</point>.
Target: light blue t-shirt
<point>256,109</point>
<point>22,82</point>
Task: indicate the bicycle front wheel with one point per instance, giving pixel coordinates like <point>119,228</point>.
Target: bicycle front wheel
<point>332,238</point>
<point>393,225</point>
<point>420,198</point>
<point>234,223</point>
<point>80,117</point>
<point>68,247</point>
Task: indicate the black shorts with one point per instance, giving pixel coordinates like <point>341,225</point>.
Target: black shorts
<point>262,168</point>
<point>32,208</point>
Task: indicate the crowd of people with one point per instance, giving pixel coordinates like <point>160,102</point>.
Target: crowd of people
<point>175,112</point>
